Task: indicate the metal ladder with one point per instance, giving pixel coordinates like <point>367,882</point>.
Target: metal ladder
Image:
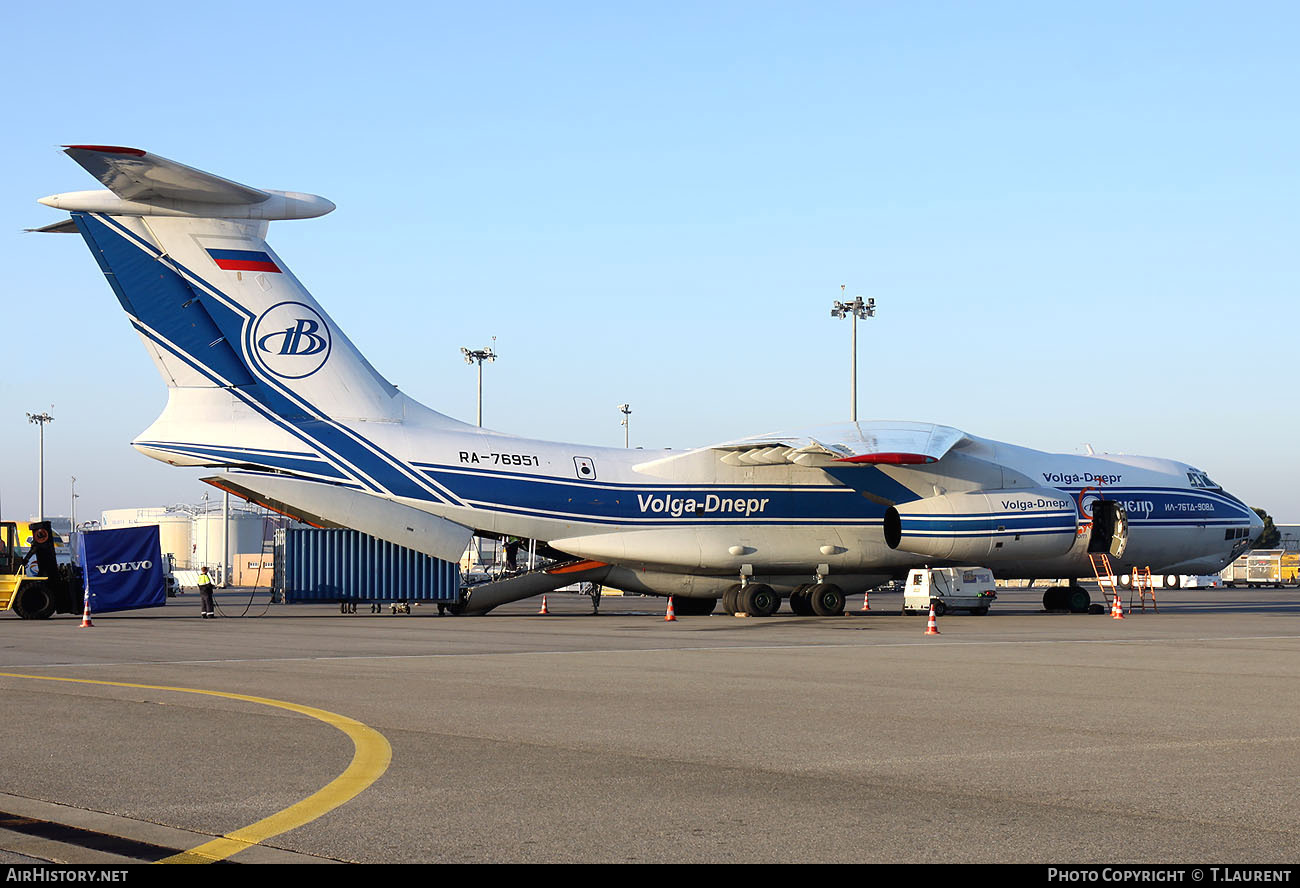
<point>1142,586</point>
<point>1105,576</point>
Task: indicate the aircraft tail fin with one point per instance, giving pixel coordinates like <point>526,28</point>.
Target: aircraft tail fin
<point>185,253</point>
<point>259,376</point>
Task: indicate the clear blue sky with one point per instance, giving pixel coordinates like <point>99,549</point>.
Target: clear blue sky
<point>1079,220</point>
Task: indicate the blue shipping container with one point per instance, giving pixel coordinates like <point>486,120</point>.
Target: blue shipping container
<point>314,564</point>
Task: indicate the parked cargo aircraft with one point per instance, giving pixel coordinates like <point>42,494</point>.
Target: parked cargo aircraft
<point>263,383</point>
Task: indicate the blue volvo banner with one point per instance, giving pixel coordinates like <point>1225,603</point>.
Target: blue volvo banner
<point>123,568</point>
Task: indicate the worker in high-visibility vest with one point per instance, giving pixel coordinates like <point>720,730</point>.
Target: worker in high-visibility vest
<point>206,608</point>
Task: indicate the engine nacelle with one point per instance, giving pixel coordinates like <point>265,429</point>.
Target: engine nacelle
<point>985,526</point>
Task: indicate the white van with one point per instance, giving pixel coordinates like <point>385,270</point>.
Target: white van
<point>949,588</point>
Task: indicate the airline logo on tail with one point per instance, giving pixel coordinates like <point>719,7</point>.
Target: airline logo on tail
<point>292,340</point>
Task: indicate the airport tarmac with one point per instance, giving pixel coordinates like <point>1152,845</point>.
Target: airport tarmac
<point>1019,736</point>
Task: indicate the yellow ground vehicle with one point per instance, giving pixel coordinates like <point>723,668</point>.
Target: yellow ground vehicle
<point>34,594</point>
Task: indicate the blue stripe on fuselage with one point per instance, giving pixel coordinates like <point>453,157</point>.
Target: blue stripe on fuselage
<point>297,463</point>
<point>657,503</point>
<point>1174,505</point>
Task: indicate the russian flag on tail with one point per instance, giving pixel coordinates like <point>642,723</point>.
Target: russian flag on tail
<point>244,260</point>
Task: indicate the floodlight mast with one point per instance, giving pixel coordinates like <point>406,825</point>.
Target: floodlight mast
<point>626,410</point>
<point>855,309</point>
<point>40,419</point>
<point>478,356</point>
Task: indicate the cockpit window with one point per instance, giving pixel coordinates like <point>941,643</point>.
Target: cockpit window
<point>1201,480</point>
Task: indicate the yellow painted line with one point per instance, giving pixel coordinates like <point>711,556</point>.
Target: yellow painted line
<point>370,760</point>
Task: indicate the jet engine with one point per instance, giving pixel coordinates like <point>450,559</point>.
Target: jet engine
<point>985,525</point>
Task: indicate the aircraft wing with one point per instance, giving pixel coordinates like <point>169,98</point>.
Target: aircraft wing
<point>861,443</point>
<point>137,175</point>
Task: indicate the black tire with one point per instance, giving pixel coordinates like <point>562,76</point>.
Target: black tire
<point>1054,599</point>
<point>980,611</point>
<point>1077,600</point>
<point>33,601</point>
<point>693,607</point>
<point>939,607</point>
<point>730,599</point>
<point>799,601</point>
<point>827,600</point>
<point>759,600</point>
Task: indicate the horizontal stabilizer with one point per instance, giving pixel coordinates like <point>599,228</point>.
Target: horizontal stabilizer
<point>327,505</point>
<point>67,226</point>
<point>137,175</point>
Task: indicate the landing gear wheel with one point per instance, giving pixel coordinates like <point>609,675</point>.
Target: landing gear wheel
<point>827,600</point>
<point>693,607</point>
<point>1078,599</point>
<point>759,600</point>
<point>800,602</point>
<point>33,602</point>
<point>1055,599</point>
<point>730,603</point>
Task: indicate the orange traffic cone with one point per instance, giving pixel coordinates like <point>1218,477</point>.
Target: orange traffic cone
<point>866,601</point>
<point>1117,608</point>
<point>543,610</point>
<point>671,616</point>
<point>932,628</point>
<point>85,615</point>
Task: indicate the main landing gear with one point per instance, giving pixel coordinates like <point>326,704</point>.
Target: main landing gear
<point>755,599</point>
<point>761,600</point>
<point>1073,599</point>
<point>817,599</point>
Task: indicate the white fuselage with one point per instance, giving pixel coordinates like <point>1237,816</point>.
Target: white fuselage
<point>696,515</point>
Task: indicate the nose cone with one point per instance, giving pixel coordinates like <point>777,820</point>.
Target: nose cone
<point>1256,526</point>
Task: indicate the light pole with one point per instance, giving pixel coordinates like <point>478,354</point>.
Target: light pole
<point>626,410</point>
<point>857,309</point>
<point>479,355</point>
<point>40,419</point>
<point>72,520</point>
